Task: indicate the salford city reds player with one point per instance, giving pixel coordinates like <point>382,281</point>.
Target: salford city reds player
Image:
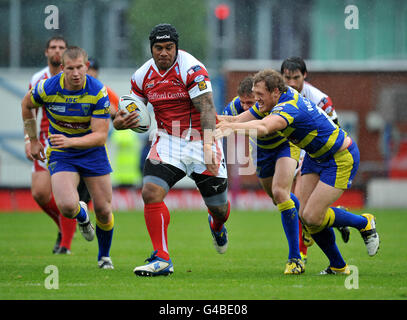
<point>179,88</point>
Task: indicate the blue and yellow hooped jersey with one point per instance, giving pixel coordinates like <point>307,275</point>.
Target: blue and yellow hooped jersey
<point>234,107</point>
<point>270,141</point>
<point>70,112</point>
<point>308,127</point>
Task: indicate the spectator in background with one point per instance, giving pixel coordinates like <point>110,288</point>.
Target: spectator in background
<point>126,159</point>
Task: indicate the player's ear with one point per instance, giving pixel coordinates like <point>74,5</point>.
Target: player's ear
<point>305,75</point>
<point>87,65</point>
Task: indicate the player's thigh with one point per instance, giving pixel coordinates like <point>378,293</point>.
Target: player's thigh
<point>100,189</point>
<point>158,179</point>
<point>64,188</point>
<point>296,185</point>
<point>41,186</point>
<point>319,201</point>
<point>308,183</point>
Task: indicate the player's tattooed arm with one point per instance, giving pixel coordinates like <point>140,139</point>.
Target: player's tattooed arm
<point>204,104</point>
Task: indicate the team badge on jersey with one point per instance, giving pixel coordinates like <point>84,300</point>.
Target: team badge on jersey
<point>85,108</point>
<point>194,69</point>
<point>202,85</point>
<point>150,84</point>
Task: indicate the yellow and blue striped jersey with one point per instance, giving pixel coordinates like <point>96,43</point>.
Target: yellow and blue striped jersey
<point>309,127</point>
<point>70,112</point>
<point>268,142</point>
<point>234,107</point>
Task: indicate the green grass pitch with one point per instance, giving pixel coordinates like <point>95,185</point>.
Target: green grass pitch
<point>251,269</point>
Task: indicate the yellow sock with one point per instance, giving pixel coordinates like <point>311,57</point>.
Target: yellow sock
<point>106,226</point>
<point>326,223</point>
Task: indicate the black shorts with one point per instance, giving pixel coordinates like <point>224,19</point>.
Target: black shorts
<point>213,189</point>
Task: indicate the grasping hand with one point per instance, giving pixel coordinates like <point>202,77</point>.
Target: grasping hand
<point>124,120</point>
<point>223,129</point>
<point>37,150</point>
<point>210,159</point>
<point>59,141</point>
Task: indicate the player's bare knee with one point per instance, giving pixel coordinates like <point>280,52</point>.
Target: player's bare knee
<point>280,195</point>
<point>219,211</point>
<point>104,217</point>
<point>102,212</point>
<point>309,218</point>
<point>152,193</point>
<point>68,209</point>
<point>41,197</point>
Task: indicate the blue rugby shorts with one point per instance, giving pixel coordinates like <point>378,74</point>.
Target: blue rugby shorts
<point>337,170</point>
<point>265,159</point>
<point>91,163</point>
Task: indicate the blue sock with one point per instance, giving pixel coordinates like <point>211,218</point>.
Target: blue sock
<point>104,241</point>
<point>289,219</point>
<point>344,218</point>
<point>325,239</point>
<point>81,216</point>
<point>296,201</point>
<point>104,233</point>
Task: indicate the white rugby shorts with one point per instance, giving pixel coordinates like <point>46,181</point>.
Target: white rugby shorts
<point>184,154</point>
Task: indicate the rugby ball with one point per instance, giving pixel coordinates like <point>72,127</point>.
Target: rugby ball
<point>131,104</point>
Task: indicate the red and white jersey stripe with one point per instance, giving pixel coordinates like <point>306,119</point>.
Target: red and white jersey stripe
<point>320,99</point>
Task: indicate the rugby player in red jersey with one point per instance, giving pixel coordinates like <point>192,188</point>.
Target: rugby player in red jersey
<point>179,88</point>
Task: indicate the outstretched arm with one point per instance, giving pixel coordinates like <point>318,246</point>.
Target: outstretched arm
<point>241,117</point>
<point>257,128</point>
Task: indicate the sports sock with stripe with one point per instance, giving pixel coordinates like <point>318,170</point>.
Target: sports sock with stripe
<point>81,214</point>
<point>344,218</point>
<point>325,239</point>
<point>157,219</point>
<point>289,219</point>
<point>104,234</point>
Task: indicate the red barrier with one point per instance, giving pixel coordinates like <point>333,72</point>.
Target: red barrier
<point>130,199</point>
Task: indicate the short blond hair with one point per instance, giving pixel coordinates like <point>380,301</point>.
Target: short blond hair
<point>271,78</point>
<point>74,52</point>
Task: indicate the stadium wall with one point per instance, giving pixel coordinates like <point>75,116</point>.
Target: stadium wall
<point>128,199</point>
